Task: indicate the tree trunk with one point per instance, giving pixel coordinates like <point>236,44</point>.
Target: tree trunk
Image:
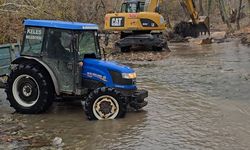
<point>224,14</point>
<point>249,9</point>
<point>201,8</point>
<point>238,15</point>
<point>209,5</point>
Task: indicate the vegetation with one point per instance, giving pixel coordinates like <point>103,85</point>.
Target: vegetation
<point>12,12</point>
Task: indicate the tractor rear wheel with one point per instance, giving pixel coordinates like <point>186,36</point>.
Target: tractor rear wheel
<point>105,103</point>
<point>28,90</point>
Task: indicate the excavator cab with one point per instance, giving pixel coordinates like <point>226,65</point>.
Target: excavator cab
<point>132,6</point>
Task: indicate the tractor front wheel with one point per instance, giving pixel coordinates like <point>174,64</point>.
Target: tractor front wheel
<point>105,103</point>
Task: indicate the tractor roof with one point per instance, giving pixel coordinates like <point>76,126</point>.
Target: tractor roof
<point>60,24</point>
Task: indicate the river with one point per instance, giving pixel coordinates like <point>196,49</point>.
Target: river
<point>199,98</point>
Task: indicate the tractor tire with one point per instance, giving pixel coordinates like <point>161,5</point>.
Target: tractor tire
<point>28,90</point>
<point>105,103</point>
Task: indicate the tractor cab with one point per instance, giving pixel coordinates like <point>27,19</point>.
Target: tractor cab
<point>132,6</point>
<point>61,45</point>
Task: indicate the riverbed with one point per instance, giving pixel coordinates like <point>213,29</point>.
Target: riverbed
<point>199,98</point>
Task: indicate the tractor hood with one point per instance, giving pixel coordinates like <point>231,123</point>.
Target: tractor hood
<point>107,65</point>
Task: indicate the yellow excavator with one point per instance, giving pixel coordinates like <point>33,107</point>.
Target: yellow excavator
<point>140,23</point>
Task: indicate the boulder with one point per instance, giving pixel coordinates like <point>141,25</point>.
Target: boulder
<point>218,35</point>
<point>246,40</point>
<point>201,41</point>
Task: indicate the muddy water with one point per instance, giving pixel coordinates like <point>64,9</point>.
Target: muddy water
<point>199,98</point>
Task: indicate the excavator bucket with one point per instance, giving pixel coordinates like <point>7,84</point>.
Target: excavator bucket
<point>185,29</point>
<point>196,26</point>
<point>203,25</point>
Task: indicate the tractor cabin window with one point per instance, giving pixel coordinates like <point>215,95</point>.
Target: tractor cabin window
<point>88,45</point>
<point>33,41</point>
<point>59,44</point>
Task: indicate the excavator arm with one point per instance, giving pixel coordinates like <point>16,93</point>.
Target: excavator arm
<point>191,9</point>
<point>152,5</point>
<point>197,25</point>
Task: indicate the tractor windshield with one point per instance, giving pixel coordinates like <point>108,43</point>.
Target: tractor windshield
<point>88,45</point>
<point>132,7</point>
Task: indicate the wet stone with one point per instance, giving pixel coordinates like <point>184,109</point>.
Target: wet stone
<point>57,142</point>
<point>246,40</point>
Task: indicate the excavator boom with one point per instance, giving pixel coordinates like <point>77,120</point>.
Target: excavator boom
<point>152,5</point>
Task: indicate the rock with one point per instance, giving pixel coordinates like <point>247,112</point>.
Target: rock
<point>3,80</point>
<point>27,137</point>
<point>22,125</point>
<point>229,69</point>
<point>201,41</point>
<point>206,41</point>
<point>246,40</point>
<point>14,133</point>
<point>218,35</point>
<point>57,142</point>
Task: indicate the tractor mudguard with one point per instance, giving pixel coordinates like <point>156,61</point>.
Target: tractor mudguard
<point>26,59</point>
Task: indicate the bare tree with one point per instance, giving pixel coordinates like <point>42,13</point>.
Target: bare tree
<point>249,10</point>
<point>201,8</point>
<point>224,15</point>
<point>239,15</point>
<point>209,5</point>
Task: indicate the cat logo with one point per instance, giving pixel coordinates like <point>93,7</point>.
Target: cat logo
<point>117,21</point>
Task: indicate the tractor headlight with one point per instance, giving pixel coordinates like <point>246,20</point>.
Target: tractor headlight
<point>129,75</point>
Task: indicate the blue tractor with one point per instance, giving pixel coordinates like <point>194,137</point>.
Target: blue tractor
<point>61,60</point>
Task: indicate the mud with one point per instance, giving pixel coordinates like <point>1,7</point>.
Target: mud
<point>198,99</point>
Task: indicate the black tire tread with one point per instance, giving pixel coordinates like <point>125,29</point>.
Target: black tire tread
<point>46,94</point>
<point>107,91</point>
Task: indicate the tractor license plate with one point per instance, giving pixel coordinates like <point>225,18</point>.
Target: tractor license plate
<point>117,21</point>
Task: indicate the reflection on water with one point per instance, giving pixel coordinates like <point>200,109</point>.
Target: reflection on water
<point>198,99</point>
